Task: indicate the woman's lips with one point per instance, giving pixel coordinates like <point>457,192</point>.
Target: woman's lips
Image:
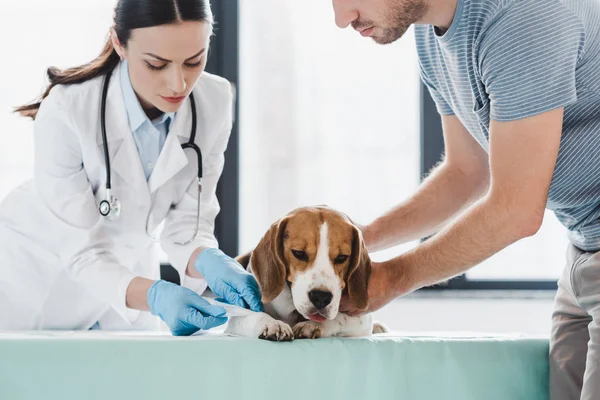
<point>174,99</point>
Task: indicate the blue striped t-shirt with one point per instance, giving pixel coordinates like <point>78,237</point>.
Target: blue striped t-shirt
<point>511,59</point>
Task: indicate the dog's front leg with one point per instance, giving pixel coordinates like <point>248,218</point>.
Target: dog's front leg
<point>342,325</point>
<point>248,323</point>
<point>259,325</point>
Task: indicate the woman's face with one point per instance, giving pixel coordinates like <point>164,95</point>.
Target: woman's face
<point>165,62</point>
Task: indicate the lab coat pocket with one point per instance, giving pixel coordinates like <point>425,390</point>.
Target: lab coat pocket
<point>168,196</point>
<point>181,184</point>
<point>160,207</point>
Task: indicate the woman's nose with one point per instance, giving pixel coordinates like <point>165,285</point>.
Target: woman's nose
<point>344,13</point>
<point>176,81</point>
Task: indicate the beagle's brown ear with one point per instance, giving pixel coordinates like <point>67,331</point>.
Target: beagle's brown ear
<point>359,272</point>
<point>267,262</point>
<point>243,259</point>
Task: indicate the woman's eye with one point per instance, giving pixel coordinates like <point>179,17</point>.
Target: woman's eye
<point>155,67</point>
<point>300,255</point>
<point>194,65</point>
<point>340,259</point>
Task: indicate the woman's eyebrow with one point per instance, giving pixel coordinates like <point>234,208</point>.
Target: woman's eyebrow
<point>168,61</point>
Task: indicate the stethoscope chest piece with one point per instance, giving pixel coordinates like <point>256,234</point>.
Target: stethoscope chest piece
<point>110,208</point>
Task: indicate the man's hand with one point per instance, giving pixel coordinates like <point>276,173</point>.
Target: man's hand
<point>385,285</point>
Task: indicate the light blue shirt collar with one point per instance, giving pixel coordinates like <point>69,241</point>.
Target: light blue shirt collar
<point>135,113</point>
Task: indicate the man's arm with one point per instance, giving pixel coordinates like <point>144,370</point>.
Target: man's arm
<point>523,155</point>
<point>456,183</point>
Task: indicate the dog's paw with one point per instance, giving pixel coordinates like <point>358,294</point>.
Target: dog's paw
<point>378,327</point>
<point>277,331</point>
<point>308,330</point>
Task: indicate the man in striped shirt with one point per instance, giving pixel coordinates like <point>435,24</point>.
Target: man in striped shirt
<point>517,85</point>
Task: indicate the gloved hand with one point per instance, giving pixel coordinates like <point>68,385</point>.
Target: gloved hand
<point>182,309</point>
<point>228,279</point>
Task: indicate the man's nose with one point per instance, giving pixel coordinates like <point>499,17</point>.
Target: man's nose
<point>344,14</point>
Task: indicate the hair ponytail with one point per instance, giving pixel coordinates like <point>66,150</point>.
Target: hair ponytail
<point>106,61</point>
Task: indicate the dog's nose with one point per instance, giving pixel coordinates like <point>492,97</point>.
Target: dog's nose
<point>320,298</point>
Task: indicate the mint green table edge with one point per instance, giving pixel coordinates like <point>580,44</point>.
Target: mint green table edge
<point>221,367</point>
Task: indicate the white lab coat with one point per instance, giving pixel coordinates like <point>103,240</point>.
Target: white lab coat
<point>62,265</point>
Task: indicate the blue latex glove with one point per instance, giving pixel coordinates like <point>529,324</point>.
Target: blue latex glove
<point>182,309</point>
<point>228,279</point>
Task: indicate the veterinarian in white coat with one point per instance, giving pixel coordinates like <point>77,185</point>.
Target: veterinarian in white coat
<point>63,265</point>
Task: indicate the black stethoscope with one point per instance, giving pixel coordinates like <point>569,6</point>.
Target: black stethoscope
<point>111,207</point>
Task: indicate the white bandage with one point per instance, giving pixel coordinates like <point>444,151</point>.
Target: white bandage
<point>231,310</point>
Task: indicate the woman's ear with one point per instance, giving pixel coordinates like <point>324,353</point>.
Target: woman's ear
<point>117,43</point>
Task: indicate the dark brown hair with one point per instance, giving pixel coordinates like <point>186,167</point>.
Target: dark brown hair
<point>129,15</point>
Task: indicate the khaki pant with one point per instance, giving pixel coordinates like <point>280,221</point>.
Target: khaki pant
<point>575,339</point>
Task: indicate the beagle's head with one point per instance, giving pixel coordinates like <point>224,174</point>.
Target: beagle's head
<point>320,254</point>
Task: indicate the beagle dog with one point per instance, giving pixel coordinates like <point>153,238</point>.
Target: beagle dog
<point>303,265</point>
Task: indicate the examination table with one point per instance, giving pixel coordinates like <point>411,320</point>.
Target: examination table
<point>105,365</point>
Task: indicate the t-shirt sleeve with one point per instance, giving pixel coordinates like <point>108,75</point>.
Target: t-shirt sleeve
<point>442,106</point>
<point>528,57</point>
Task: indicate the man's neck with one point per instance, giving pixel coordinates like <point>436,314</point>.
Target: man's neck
<point>440,14</point>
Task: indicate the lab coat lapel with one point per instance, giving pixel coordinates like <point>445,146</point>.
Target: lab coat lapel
<point>125,160</point>
<point>172,158</point>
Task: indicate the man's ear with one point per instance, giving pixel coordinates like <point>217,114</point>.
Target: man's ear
<point>267,262</point>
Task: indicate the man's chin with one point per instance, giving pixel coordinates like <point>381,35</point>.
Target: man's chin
<point>388,36</point>
<point>380,40</point>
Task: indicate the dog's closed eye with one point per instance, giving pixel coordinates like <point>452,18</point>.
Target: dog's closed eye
<point>340,259</point>
<point>300,255</point>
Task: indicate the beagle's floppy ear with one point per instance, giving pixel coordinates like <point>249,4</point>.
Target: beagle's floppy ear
<point>359,272</point>
<point>244,259</point>
<point>267,262</point>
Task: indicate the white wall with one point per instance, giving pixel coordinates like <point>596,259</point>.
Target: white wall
<point>421,314</point>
